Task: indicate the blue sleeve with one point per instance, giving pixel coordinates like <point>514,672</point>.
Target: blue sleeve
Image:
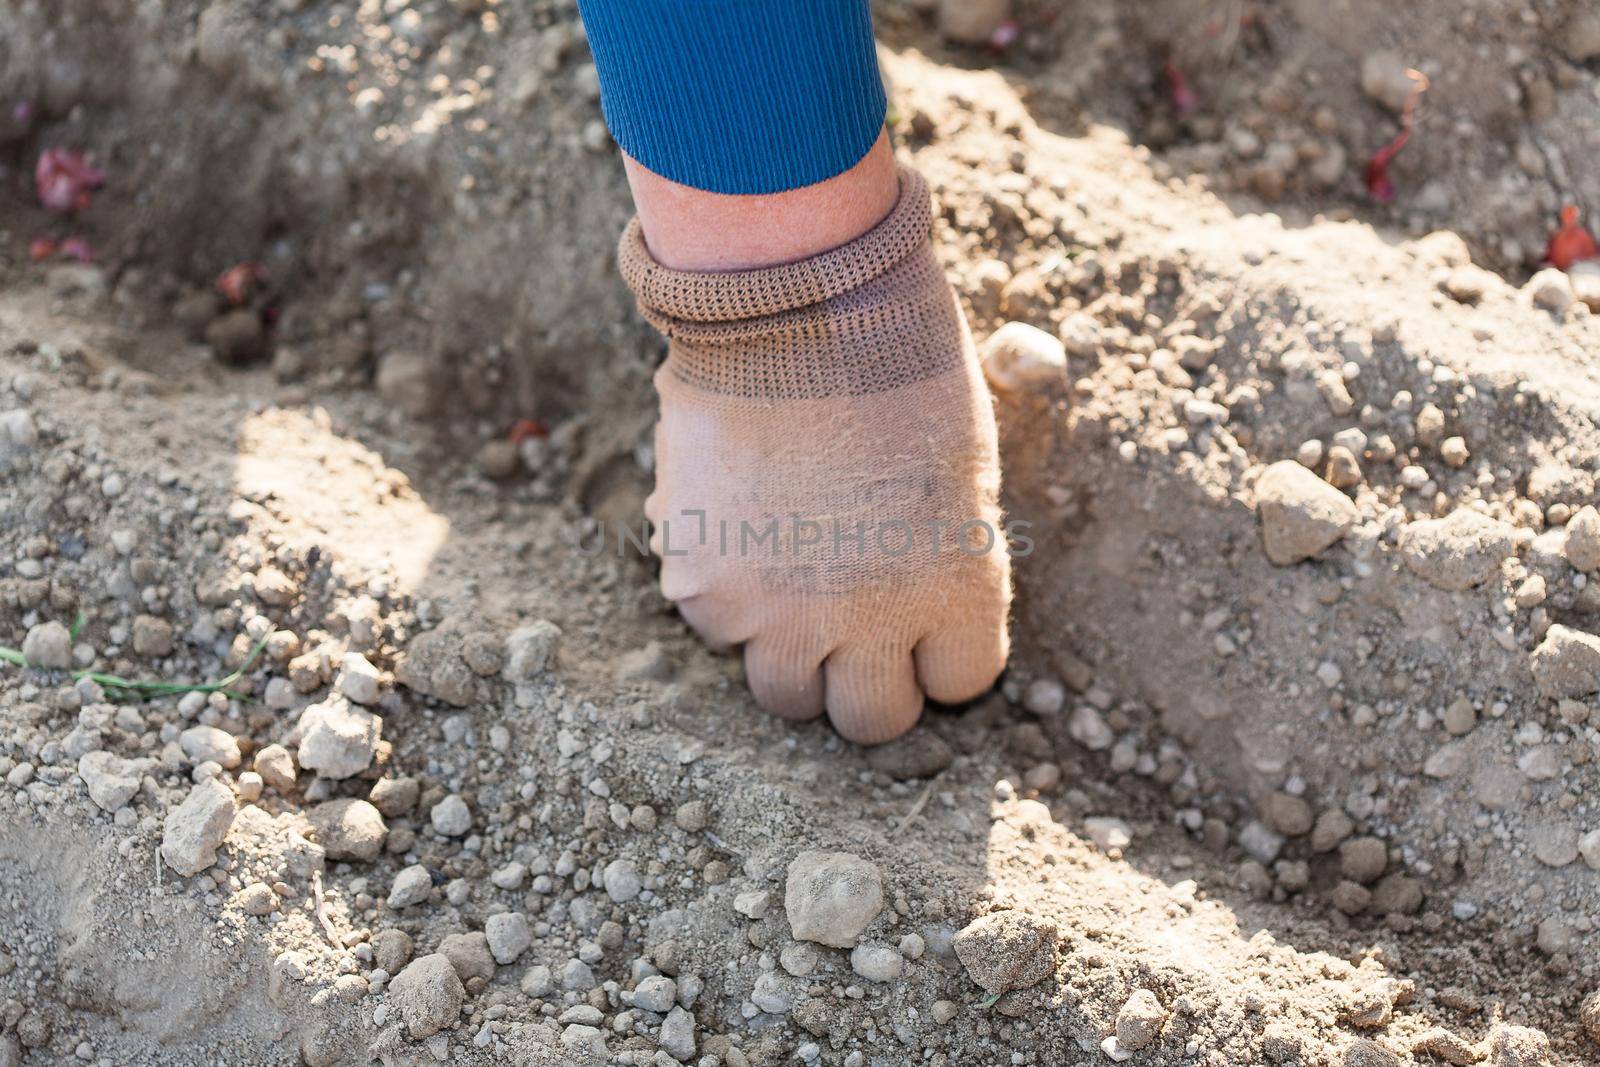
<point>738,96</point>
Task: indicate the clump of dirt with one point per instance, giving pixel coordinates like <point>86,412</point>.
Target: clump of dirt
<point>1296,759</point>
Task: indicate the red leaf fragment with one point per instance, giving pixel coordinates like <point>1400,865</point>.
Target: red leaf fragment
<point>77,247</point>
<point>41,249</point>
<point>523,429</point>
<point>236,282</point>
<point>1183,98</point>
<point>1379,185</point>
<point>65,180</point>
<point>1571,242</point>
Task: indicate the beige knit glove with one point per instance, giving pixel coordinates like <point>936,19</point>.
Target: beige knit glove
<point>827,478</point>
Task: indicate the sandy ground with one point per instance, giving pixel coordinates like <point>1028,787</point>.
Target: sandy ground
<point>1296,758</point>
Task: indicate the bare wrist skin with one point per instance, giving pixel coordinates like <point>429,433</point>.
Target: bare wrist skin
<point>694,230</point>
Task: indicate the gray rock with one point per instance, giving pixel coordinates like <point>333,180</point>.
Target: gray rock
<point>753,903</point>
<point>1589,1017</point>
<point>583,1014</point>
<point>1447,761</point>
<point>408,381</point>
<point>349,829</point>
<point>195,829</point>
<point>1550,289</point>
<point>152,636</point>
<point>1566,663</point>
<point>919,754</point>
<point>1364,1053</point>
<point>509,877</point>
<point>433,667</point>
<point>1554,844</point>
<point>775,994</point>
<point>483,653</point>
<point>1589,849</point>
<point>1300,513</point>
<point>1582,544</point>
<point>18,431</point>
<point>1007,950</point>
<point>395,797</point>
<point>798,958</point>
<point>677,1035</point>
<point>1139,1021</point>
<point>657,993</point>
<point>538,982</point>
<point>411,886</point>
<point>576,976</point>
<point>337,738</point>
<point>451,816</point>
<point>428,994</point>
<point>112,780</point>
<point>587,1044</point>
<point>276,767</point>
<point>48,645</point>
<point>530,650</point>
<point>831,897</point>
<point>1261,841</point>
<point>358,679</point>
<point>1363,859</point>
<point>622,881</point>
<point>391,949</point>
<point>1519,1046</point>
<point>509,936</point>
<point>1459,551</point>
<point>469,954</point>
<point>1581,39</point>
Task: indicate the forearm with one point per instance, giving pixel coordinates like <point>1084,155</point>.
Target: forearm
<point>752,129</point>
<point>738,96</point>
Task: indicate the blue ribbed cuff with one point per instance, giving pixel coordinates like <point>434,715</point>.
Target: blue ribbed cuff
<point>738,96</point>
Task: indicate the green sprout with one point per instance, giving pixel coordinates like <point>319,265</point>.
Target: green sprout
<point>141,688</point>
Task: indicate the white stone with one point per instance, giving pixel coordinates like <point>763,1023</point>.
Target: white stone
<point>112,780</point>
<point>195,829</point>
<point>1018,357</point>
<point>1044,696</point>
<point>1261,841</point>
<point>657,993</point>
<point>876,963</point>
<point>1088,727</point>
<point>530,650</point>
<point>1589,849</point>
<point>337,738</point>
<point>775,994</point>
<point>358,679</point>
<point>203,743</point>
<point>1108,832</point>
<point>753,903</point>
